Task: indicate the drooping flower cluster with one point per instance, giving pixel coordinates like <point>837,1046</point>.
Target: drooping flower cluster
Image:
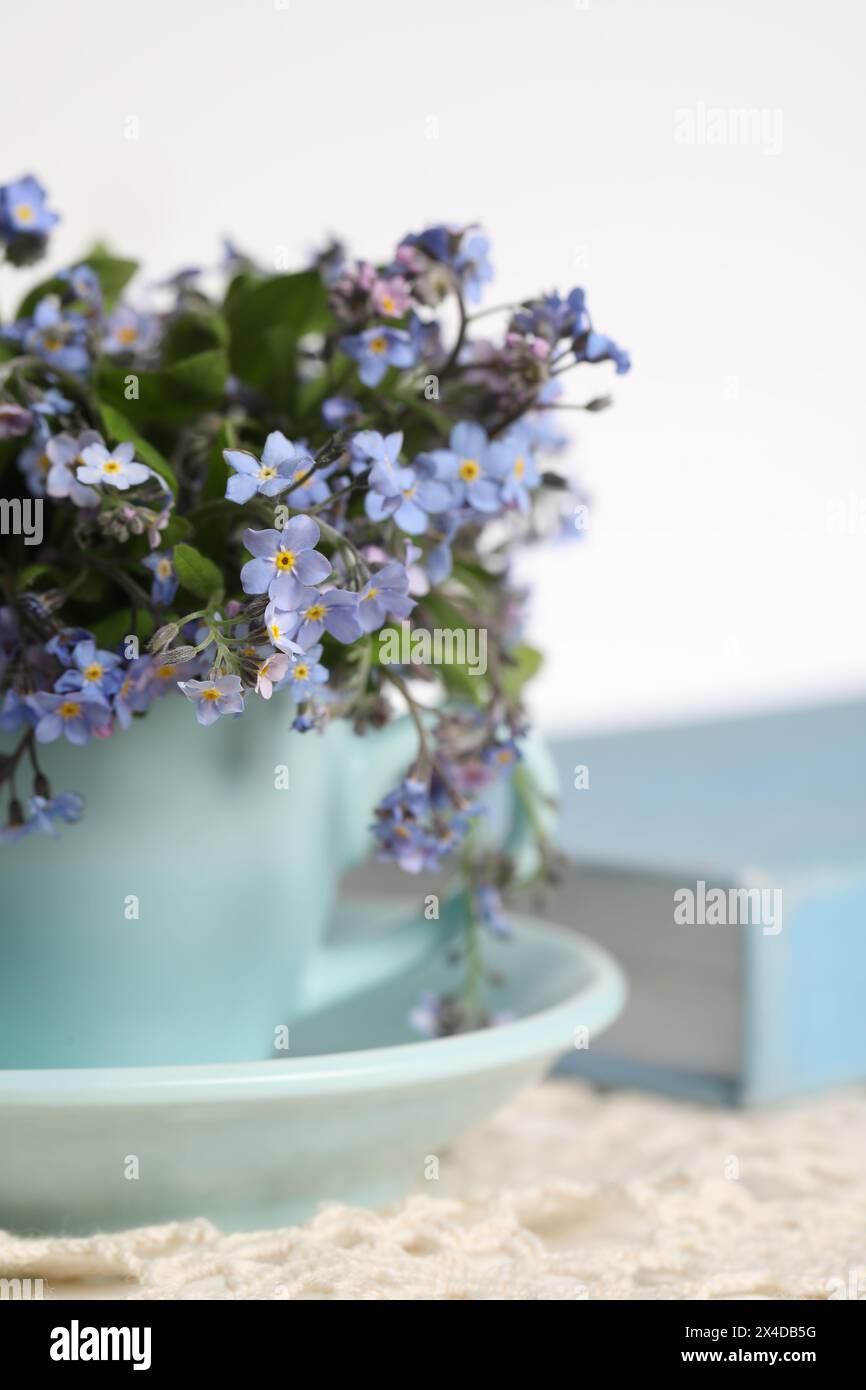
<point>25,219</point>
<point>245,494</point>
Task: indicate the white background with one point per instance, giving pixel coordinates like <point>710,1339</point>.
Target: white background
<point>710,578</point>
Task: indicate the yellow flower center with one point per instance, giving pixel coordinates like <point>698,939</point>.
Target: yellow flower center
<point>164,672</point>
<point>372,593</point>
<point>504,755</point>
<point>25,213</point>
<point>51,343</point>
<point>285,560</point>
<point>409,492</point>
<point>266,472</point>
<point>70,709</point>
<point>163,569</point>
<point>378,345</point>
<point>469,470</point>
<point>128,334</point>
<point>44,464</point>
<point>275,630</point>
<point>211,694</point>
<point>111,466</point>
<point>315,613</point>
<point>301,672</point>
<point>388,305</point>
<point>92,672</point>
<point>519,467</point>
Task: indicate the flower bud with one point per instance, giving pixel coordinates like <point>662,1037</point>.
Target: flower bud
<point>15,421</point>
<point>177,656</point>
<point>162,637</point>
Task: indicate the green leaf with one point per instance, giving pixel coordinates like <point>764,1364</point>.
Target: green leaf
<point>32,298</point>
<point>196,384</point>
<point>299,302</point>
<point>473,577</point>
<point>30,573</point>
<point>197,573</point>
<point>112,629</point>
<point>177,528</point>
<point>240,285</point>
<point>444,614</point>
<point>527,663</point>
<point>119,429</point>
<point>114,272</point>
<point>93,590</point>
<point>462,685</point>
<point>308,400</point>
<point>430,412</point>
<point>456,676</point>
<point>193,334</point>
<point>266,318</point>
<point>217,474</point>
<point>170,398</point>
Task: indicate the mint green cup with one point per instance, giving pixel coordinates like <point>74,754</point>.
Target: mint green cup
<point>182,919</point>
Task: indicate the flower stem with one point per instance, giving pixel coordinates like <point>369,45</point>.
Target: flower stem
<point>425,751</point>
<point>9,764</point>
<point>338,539</point>
<point>493,309</point>
<point>461,335</point>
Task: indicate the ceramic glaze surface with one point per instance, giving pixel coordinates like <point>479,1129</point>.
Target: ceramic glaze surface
<point>351,1114</point>
<point>235,881</point>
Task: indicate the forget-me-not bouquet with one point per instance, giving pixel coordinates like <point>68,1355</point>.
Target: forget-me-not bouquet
<point>235,495</point>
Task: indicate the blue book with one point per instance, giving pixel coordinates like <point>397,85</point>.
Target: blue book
<point>724,864</point>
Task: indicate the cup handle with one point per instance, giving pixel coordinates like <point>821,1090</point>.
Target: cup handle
<point>363,780</point>
<point>537,771</point>
<point>350,967</point>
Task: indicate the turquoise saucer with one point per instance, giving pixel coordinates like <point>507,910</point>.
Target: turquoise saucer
<point>357,1111</point>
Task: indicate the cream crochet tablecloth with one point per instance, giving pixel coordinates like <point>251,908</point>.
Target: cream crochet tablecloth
<point>567,1194</point>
